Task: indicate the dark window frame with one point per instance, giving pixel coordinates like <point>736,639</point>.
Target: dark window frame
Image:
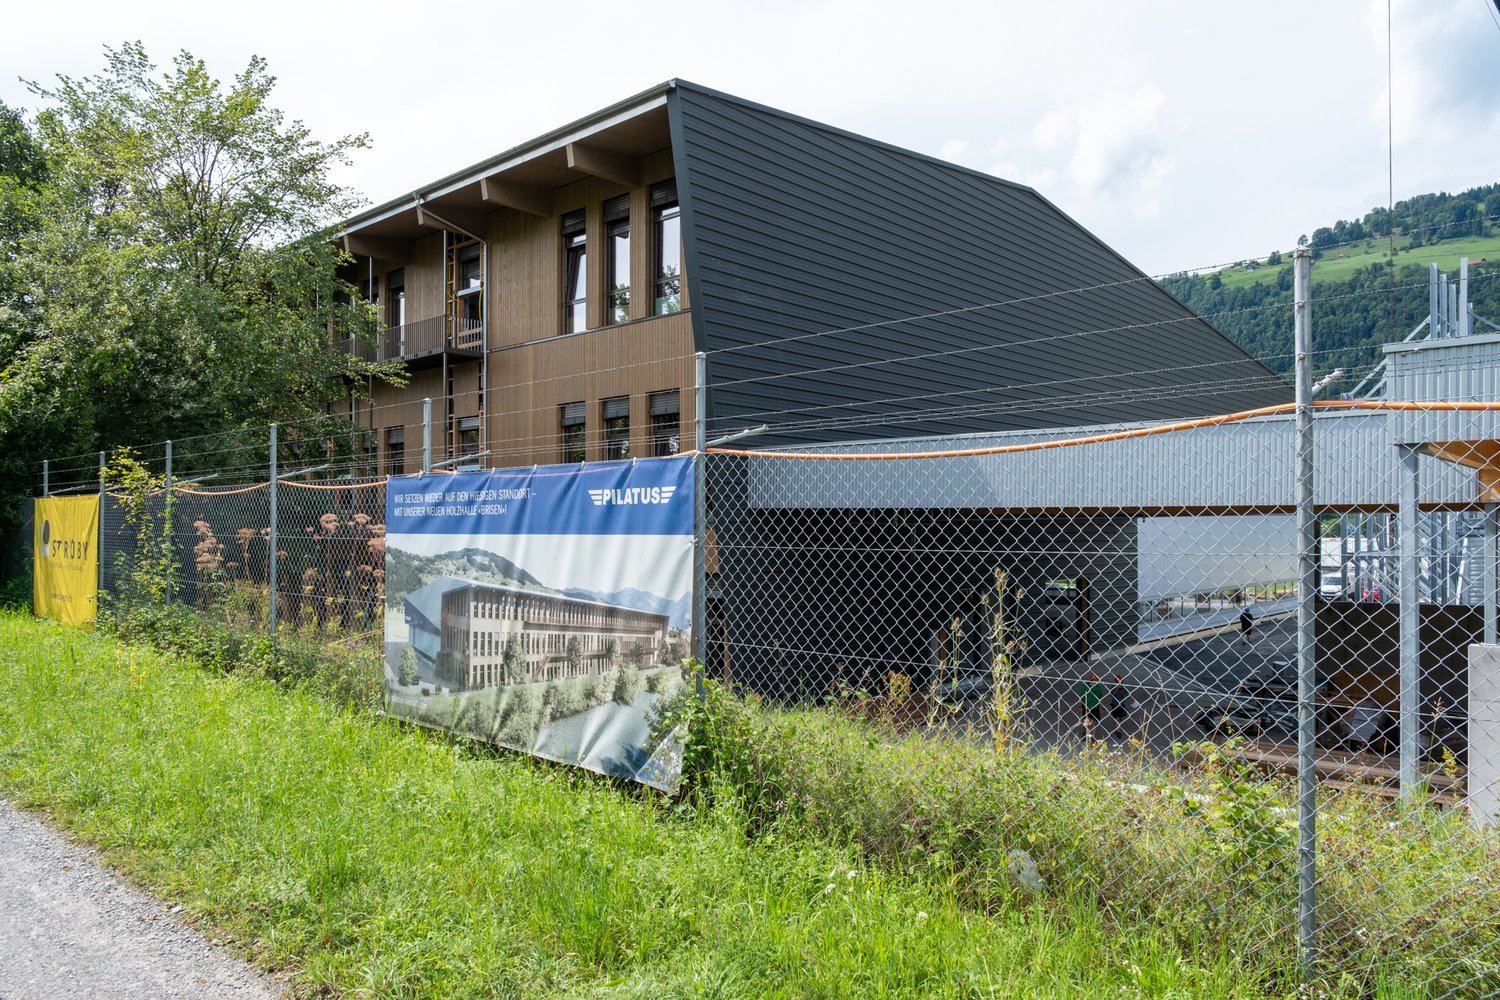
<point>572,423</point>
<point>575,290</point>
<point>395,451</point>
<point>614,414</point>
<point>666,277</point>
<point>616,212</point>
<point>666,423</point>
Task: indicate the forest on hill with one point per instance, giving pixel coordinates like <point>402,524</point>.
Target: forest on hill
<point>1362,296</point>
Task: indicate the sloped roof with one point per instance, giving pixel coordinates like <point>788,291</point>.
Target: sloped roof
<point>846,288</point>
<point>425,604</point>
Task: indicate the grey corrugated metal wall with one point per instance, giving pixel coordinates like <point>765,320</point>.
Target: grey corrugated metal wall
<point>794,228</point>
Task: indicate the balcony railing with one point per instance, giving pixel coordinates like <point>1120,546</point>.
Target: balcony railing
<point>420,338</point>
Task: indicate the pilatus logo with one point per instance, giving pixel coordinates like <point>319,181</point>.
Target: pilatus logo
<point>632,495</point>
<point>61,547</point>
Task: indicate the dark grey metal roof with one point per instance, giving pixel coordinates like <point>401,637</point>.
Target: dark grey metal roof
<point>794,229</point>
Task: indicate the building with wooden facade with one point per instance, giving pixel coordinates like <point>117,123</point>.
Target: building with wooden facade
<point>479,635</point>
<point>550,299</point>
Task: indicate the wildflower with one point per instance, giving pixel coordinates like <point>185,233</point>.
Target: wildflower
<point>852,874</point>
<point>828,888</point>
<point>921,915</point>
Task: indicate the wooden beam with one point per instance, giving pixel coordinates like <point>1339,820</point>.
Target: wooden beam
<point>455,220</point>
<point>605,163</point>
<point>391,251</point>
<point>523,197</point>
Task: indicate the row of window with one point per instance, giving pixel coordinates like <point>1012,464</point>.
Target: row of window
<point>666,266</point>
<point>664,411</point>
<point>614,416</point>
<point>464,270</point>
<point>466,431</point>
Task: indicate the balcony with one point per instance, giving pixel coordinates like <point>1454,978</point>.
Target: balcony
<point>423,344</point>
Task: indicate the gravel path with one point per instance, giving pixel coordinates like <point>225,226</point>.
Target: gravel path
<point>69,928</point>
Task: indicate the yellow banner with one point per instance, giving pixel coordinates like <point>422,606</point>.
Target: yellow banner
<point>65,577</point>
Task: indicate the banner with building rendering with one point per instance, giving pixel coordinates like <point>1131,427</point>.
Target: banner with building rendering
<point>545,610</point>
<point>65,558</point>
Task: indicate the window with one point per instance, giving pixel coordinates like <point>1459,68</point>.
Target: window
<point>576,273</point>
<point>573,448</point>
<point>395,302</point>
<point>617,226</point>
<point>617,427</point>
<point>468,436</point>
<point>395,451</point>
<point>666,271</point>
<point>395,314</point>
<point>666,429</point>
<point>468,294</point>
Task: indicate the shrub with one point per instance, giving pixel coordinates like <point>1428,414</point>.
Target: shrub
<point>407,673</point>
<point>628,685</point>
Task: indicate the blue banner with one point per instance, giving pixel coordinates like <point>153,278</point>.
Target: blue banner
<point>645,497</point>
<point>545,609</point>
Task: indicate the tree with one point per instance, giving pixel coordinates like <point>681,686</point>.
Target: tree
<point>407,673</point>
<point>510,660</point>
<point>1274,258</point>
<point>171,273</point>
<point>573,652</point>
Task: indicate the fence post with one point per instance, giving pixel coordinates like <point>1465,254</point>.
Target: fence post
<point>100,559</point>
<point>271,544</point>
<point>45,479</point>
<point>167,524</point>
<point>427,436</point>
<point>1491,574</point>
<point>1307,684</point>
<point>1410,671</point>
<point>700,514</point>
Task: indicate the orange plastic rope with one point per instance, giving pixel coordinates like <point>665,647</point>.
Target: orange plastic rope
<point>332,486</point>
<point>1137,432</point>
<point>219,493</point>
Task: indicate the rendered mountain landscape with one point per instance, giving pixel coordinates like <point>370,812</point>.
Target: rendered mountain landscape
<point>405,572</point>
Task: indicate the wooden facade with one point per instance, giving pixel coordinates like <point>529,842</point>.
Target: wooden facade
<point>841,289</point>
<point>529,368</point>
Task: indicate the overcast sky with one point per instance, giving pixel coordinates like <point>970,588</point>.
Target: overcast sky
<point>1184,134</point>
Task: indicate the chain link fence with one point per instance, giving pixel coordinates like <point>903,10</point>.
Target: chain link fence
<point>1105,664</point>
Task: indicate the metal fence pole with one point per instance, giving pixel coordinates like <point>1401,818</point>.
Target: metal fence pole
<point>1491,573</point>
<point>100,559</point>
<point>1410,671</point>
<point>427,436</point>
<point>700,512</point>
<point>167,525</point>
<point>45,478</point>
<point>1307,684</point>
<point>271,544</point>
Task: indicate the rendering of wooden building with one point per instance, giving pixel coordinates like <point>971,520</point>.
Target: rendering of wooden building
<point>550,299</point>
<point>478,635</point>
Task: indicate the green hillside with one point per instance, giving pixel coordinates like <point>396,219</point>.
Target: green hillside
<point>1362,297</point>
<point>1341,264</point>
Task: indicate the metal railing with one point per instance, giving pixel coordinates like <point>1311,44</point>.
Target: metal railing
<point>417,338</point>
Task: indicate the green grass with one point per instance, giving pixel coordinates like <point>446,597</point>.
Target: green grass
<point>1340,263</point>
<point>369,858</point>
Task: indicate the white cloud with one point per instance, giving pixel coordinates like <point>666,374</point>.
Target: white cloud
<point>1095,148</point>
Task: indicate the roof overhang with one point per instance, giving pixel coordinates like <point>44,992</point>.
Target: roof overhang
<point>608,144</point>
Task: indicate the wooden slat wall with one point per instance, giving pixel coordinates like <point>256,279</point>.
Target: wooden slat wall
<point>529,384</point>
<point>424,279</point>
